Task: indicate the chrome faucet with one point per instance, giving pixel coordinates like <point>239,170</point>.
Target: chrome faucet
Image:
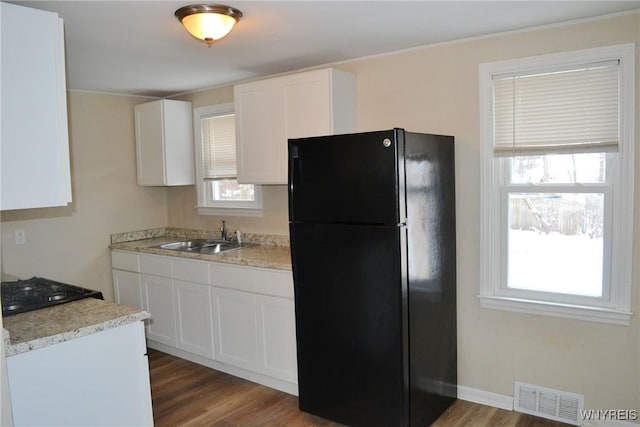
<point>223,231</point>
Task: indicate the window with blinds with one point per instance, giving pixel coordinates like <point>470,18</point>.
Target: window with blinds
<point>218,191</point>
<point>219,146</point>
<point>557,111</point>
<point>557,160</point>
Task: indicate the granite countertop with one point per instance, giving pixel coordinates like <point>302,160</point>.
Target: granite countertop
<point>40,328</point>
<point>265,251</point>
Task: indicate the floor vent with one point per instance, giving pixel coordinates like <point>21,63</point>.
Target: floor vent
<point>548,403</point>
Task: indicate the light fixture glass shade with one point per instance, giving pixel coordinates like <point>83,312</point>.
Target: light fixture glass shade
<point>208,22</point>
<point>205,26</point>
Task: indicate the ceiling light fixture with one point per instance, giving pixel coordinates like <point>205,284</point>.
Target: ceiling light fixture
<point>208,23</point>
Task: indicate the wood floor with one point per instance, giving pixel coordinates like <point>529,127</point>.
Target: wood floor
<point>187,394</point>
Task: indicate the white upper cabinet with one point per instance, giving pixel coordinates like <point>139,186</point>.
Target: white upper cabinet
<point>269,112</point>
<point>261,146</point>
<point>164,143</point>
<point>35,169</point>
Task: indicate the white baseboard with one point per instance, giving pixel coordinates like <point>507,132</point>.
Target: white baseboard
<point>255,377</point>
<point>502,401</point>
<point>485,398</point>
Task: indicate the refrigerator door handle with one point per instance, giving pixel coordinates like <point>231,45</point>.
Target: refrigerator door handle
<point>295,176</point>
<point>295,169</point>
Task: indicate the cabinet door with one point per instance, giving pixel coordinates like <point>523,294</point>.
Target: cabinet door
<point>34,110</point>
<point>306,104</point>
<point>164,143</point>
<point>261,146</point>
<point>235,328</point>
<point>127,288</point>
<point>276,337</point>
<point>271,111</point>
<point>150,154</point>
<point>178,142</point>
<point>193,310</point>
<point>158,294</point>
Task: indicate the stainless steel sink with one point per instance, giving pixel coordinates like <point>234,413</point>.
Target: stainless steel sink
<point>203,246</point>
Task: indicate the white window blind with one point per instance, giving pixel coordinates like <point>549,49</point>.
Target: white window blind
<point>555,106</point>
<point>557,111</point>
<point>219,146</point>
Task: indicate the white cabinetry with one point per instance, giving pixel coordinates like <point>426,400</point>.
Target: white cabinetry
<point>127,285</point>
<point>164,143</point>
<point>270,111</point>
<point>255,317</point>
<point>193,309</point>
<point>176,292</point>
<point>127,289</point>
<point>98,379</point>
<point>236,319</point>
<point>34,110</point>
<point>235,331</point>
<point>158,296</point>
<point>275,321</point>
<point>256,332</point>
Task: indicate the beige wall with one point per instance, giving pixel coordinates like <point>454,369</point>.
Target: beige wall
<point>70,244</point>
<point>436,90</point>
<point>426,90</point>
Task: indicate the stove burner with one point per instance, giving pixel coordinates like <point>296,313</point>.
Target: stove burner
<point>56,296</point>
<point>37,292</point>
<point>24,288</point>
<point>12,306</point>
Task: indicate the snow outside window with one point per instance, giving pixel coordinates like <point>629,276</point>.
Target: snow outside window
<point>219,193</point>
<point>557,184</point>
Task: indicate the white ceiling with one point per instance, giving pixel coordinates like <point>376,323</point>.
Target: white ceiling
<point>140,48</point>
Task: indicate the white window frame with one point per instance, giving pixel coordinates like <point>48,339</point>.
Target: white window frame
<point>615,305</point>
<point>206,205</point>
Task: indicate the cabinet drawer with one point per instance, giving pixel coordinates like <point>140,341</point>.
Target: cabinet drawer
<point>155,265</point>
<point>255,280</point>
<point>125,261</point>
<point>192,271</point>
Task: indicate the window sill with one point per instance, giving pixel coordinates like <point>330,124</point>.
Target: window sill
<point>247,212</point>
<point>568,311</point>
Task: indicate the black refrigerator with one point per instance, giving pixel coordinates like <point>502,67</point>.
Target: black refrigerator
<point>372,228</point>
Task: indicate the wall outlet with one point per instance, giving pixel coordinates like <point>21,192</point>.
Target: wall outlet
<point>19,236</point>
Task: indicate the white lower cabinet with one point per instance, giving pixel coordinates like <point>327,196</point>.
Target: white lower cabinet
<point>255,332</point>
<point>235,328</point>
<point>193,314</point>
<point>275,321</point>
<point>100,379</point>
<point>232,318</point>
<point>127,288</point>
<point>158,294</point>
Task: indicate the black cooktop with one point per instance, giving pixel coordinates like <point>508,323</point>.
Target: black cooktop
<point>37,292</point>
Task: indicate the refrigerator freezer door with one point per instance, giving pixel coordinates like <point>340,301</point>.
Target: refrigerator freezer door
<point>349,322</point>
<point>346,178</point>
